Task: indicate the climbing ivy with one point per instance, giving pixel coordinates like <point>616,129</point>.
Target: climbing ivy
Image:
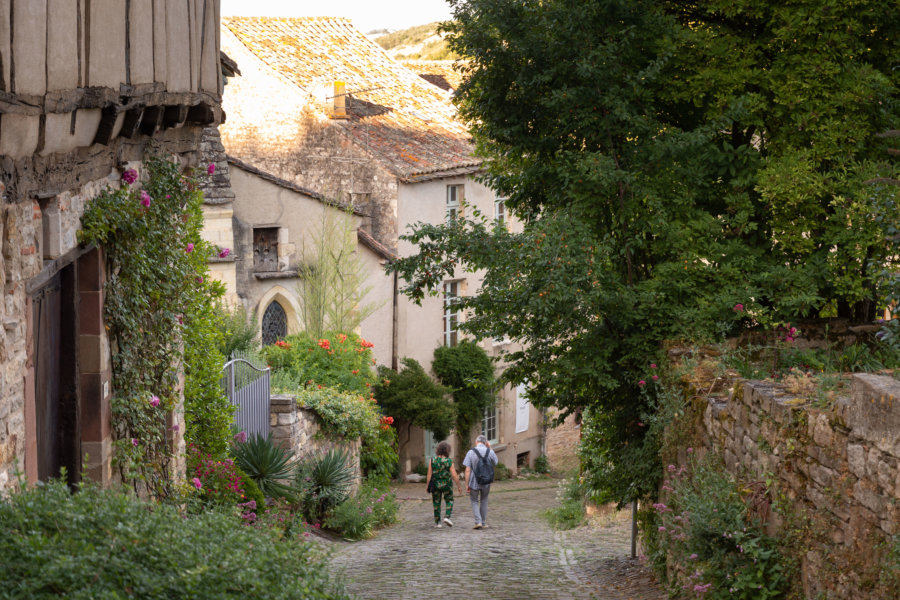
<point>158,306</point>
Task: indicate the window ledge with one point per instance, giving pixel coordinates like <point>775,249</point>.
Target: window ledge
<point>499,447</point>
<point>276,274</point>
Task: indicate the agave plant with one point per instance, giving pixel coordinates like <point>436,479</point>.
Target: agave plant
<point>325,482</point>
<point>269,465</point>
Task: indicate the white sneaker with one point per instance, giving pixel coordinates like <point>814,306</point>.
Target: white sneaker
<point>448,522</point>
<point>438,526</point>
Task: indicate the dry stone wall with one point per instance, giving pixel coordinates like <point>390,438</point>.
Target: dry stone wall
<point>836,467</point>
<point>300,429</point>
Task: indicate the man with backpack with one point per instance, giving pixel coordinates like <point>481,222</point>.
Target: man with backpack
<point>479,464</point>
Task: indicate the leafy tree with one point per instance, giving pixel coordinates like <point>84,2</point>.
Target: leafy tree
<point>237,327</point>
<point>468,371</point>
<point>669,160</point>
<point>414,398</point>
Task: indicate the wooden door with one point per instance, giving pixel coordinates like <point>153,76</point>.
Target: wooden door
<point>265,249</point>
<point>55,376</point>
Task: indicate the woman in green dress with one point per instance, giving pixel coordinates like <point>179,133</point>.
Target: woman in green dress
<point>441,469</point>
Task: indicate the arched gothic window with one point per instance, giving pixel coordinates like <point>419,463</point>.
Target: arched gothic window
<point>274,324</point>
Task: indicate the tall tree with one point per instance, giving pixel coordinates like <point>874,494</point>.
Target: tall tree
<point>669,161</point>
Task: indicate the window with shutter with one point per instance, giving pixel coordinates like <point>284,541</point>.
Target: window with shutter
<point>265,249</point>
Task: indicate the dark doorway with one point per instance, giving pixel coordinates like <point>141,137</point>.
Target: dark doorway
<point>56,377</point>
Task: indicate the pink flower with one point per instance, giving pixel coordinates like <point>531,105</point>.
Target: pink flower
<point>189,248</point>
<point>661,528</point>
<point>197,483</point>
<point>655,377</point>
<point>240,437</point>
<point>154,401</point>
<point>693,557</point>
<point>738,307</point>
<point>689,450</point>
<point>129,176</point>
<point>211,168</point>
<point>642,383</point>
<point>134,442</point>
<point>652,365</point>
<point>199,280</point>
<point>224,252</point>
<point>168,196</point>
<point>145,199</point>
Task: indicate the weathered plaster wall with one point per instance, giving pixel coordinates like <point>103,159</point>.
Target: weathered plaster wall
<point>270,127</point>
<point>259,202</point>
<point>839,467</point>
<point>300,429</point>
<point>562,445</point>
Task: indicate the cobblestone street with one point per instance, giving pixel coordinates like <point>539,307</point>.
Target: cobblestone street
<point>519,557</point>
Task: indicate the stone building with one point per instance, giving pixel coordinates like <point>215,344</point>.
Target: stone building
<point>322,107</point>
<point>86,89</point>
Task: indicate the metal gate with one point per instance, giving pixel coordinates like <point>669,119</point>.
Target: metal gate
<point>247,388</point>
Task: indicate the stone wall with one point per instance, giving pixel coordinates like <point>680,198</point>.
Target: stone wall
<point>562,445</point>
<point>837,467</point>
<point>300,429</point>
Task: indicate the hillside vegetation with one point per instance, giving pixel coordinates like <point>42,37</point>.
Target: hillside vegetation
<point>422,42</point>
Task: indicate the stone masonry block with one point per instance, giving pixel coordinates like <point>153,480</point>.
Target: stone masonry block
<point>874,413</point>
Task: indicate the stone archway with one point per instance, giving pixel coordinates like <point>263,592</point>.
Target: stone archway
<point>287,303</point>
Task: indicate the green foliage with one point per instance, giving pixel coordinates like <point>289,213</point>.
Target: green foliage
<point>374,506</point>
<point>252,491</point>
<point>237,329</point>
<point>158,296</point>
<point>334,360</point>
<point>501,472</point>
<point>669,161</point>
<point>468,371</point>
<point>334,279</point>
<point>221,482</point>
<point>270,466</point>
<point>570,513</point>
<point>109,544</point>
<point>379,458</point>
<point>542,464</point>
<point>324,482</point>
<point>343,414</point>
<point>710,541</point>
<point>412,396</point>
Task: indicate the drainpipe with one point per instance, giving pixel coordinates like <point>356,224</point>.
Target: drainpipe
<point>395,362</point>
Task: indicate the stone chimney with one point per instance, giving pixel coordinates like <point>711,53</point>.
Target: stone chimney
<point>339,108</point>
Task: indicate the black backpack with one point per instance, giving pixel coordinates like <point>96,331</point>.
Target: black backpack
<point>484,468</point>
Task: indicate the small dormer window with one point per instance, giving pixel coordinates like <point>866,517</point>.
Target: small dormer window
<point>500,212</point>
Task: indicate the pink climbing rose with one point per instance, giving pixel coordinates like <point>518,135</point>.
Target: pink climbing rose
<point>134,442</point>
<point>197,483</point>
<point>655,377</point>
<point>189,248</point>
<point>642,383</point>
<point>129,176</point>
<point>154,401</point>
<point>224,252</point>
<point>211,168</point>
<point>145,199</point>
<point>738,307</point>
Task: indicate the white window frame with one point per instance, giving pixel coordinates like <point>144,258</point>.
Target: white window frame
<point>455,195</point>
<point>500,212</point>
<point>490,424</point>
<point>451,314</point>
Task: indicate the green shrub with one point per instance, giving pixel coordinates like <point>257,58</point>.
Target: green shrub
<point>324,482</point>
<point>379,459</point>
<point>374,506</point>
<point>344,414</point>
<point>501,472</point>
<point>219,482</point>
<point>469,372</point>
<point>108,544</point>
<point>541,464</point>
<point>570,512</point>
<point>269,465</point>
<point>412,396</point>
<point>251,490</point>
<point>704,529</point>
<point>237,329</point>
<point>421,469</point>
<point>335,360</point>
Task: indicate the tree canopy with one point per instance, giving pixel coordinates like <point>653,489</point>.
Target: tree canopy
<point>669,160</point>
<point>412,396</point>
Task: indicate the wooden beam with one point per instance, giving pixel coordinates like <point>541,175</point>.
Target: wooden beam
<point>152,119</point>
<point>174,115</point>
<point>107,124</point>
<point>132,123</point>
<point>202,114</point>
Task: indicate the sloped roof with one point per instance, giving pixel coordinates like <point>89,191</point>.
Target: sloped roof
<point>401,119</point>
<point>366,239</point>
<point>436,72</point>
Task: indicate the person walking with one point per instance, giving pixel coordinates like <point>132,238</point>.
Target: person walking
<point>479,463</point>
<point>441,471</point>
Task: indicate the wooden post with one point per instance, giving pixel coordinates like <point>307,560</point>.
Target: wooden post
<point>634,508</point>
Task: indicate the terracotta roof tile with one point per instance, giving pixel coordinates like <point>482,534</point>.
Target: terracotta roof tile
<point>407,123</point>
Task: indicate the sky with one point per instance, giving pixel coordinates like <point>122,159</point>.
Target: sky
<point>365,14</point>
